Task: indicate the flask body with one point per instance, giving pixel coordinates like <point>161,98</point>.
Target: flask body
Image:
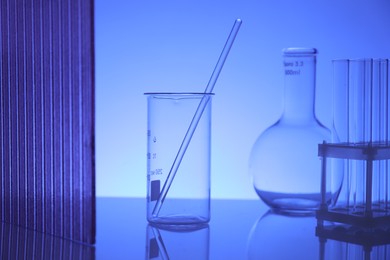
<point>284,161</point>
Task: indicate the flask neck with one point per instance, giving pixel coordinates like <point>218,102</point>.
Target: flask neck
<point>299,88</point>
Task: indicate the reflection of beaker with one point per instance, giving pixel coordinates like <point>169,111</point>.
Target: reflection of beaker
<point>277,236</point>
<point>185,243</point>
<point>284,160</point>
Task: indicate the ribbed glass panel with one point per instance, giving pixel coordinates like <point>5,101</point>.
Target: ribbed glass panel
<point>20,243</point>
<point>47,116</point>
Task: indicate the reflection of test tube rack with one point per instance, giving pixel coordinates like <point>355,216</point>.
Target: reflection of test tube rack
<point>369,211</point>
<point>340,242</point>
<point>361,228</point>
<point>359,154</point>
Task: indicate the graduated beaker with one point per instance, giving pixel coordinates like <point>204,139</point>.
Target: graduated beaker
<point>187,196</point>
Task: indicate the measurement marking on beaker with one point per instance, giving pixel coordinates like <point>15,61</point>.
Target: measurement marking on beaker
<point>155,190</point>
<point>151,156</point>
<point>154,139</point>
<point>156,172</point>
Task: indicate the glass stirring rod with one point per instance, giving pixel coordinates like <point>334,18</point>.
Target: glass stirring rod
<point>197,116</point>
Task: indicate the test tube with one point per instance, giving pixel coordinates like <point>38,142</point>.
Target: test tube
<point>340,133</point>
<point>380,132</point>
<point>361,117</point>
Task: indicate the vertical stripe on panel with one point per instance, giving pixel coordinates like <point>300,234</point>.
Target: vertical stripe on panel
<point>16,126</point>
<point>9,128</point>
<point>7,241</point>
<point>82,121</point>
<point>14,113</point>
<point>40,245</point>
<point>20,241</point>
<point>22,210</point>
<point>30,245</point>
<point>67,252</point>
<point>56,247</point>
<point>40,119</point>
<point>13,244</point>
<point>2,233</point>
<point>76,111</point>
<point>30,125</point>
<point>47,63</point>
<point>52,125</point>
<point>71,88</point>
<point>67,122</point>
<point>88,130</point>
<point>27,109</point>
<point>45,148</point>
<point>7,111</point>
<point>35,89</point>
<point>2,113</point>
<point>91,177</point>
<point>46,247</point>
<point>76,252</point>
<point>56,81</point>
<point>25,239</point>
<point>35,245</point>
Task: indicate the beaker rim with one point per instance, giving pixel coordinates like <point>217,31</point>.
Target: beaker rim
<point>178,93</point>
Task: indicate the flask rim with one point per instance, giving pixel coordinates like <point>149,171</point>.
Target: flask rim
<point>299,51</point>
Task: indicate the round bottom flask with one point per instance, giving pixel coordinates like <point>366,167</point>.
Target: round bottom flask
<point>284,160</point>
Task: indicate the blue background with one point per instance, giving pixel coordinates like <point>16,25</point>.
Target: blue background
<point>144,46</point>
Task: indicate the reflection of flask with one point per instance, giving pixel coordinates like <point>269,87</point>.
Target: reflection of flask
<point>277,236</point>
<point>284,161</point>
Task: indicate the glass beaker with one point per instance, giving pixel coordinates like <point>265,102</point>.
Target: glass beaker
<point>187,199</point>
<point>284,160</point>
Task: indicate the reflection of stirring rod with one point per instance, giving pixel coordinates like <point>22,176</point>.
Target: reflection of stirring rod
<point>196,118</point>
<point>160,243</point>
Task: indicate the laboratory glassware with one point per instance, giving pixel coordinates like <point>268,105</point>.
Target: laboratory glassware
<point>164,243</point>
<point>188,199</point>
<point>349,243</point>
<point>280,236</point>
<point>284,161</point>
<point>197,115</point>
<point>361,123</point>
